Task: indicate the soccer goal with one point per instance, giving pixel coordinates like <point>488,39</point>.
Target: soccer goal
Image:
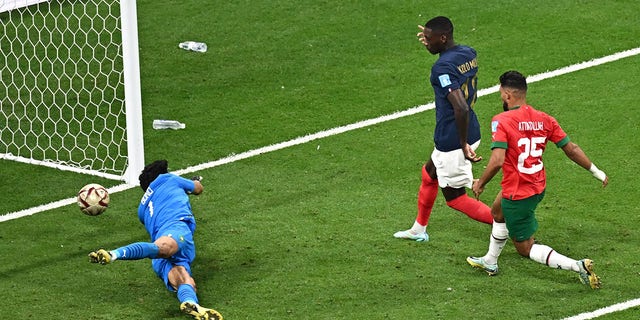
<point>71,81</point>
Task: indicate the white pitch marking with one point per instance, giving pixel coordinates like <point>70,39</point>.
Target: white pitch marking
<point>323,134</point>
<point>331,132</point>
<point>606,310</point>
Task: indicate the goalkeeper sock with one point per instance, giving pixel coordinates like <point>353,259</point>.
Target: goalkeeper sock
<point>186,293</point>
<point>136,251</point>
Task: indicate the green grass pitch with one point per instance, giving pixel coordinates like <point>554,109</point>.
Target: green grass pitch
<point>306,232</point>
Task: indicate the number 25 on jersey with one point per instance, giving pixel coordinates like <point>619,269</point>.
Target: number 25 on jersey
<point>530,160</point>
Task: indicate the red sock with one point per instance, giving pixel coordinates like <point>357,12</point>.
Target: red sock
<point>473,208</point>
<point>426,197</point>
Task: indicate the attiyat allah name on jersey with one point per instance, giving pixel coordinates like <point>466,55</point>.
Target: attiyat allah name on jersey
<point>465,67</point>
<point>530,125</point>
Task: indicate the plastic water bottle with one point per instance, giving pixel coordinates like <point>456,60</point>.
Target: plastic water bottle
<point>193,46</point>
<point>168,124</point>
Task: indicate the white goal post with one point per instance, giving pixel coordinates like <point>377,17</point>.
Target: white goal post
<point>71,80</point>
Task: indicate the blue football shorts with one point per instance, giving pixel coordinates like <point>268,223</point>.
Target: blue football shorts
<point>180,232</point>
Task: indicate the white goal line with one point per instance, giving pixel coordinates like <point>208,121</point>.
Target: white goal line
<point>327,133</point>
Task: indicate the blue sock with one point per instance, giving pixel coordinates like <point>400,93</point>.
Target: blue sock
<point>136,251</point>
<point>187,293</point>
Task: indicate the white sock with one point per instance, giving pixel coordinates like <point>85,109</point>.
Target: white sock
<point>113,255</point>
<point>418,228</point>
<point>546,255</point>
<point>499,236</point>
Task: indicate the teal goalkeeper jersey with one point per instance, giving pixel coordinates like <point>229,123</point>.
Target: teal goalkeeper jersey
<point>166,201</point>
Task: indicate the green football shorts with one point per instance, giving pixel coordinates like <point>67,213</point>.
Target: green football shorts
<point>520,216</point>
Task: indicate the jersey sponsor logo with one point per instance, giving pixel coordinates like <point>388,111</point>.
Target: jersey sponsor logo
<point>494,126</point>
<point>444,80</point>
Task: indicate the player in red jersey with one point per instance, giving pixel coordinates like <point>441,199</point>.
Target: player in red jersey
<point>519,137</point>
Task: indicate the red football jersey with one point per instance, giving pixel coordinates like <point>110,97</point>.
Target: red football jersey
<point>524,133</point>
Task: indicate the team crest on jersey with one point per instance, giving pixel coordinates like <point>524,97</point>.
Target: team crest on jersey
<point>494,126</point>
<point>444,80</point>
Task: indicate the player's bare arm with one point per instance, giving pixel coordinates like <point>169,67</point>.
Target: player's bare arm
<point>198,187</point>
<point>494,166</point>
<point>461,111</point>
<point>575,153</point>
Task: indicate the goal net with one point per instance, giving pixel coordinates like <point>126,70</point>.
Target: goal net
<point>70,76</point>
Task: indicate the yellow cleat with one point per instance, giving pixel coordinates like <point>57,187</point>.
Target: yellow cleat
<point>587,276</point>
<point>101,256</point>
<point>200,313</point>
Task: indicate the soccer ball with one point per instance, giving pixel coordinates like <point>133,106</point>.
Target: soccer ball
<point>93,199</point>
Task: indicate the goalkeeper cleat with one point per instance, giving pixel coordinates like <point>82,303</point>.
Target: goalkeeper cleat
<point>587,276</point>
<point>198,312</point>
<point>409,234</point>
<point>101,256</point>
<point>491,269</point>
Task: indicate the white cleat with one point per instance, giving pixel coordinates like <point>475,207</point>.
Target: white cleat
<point>490,269</point>
<point>409,234</point>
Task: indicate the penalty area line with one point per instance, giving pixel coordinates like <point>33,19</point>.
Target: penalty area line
<point>400,114</point>
<point>332,132</point>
